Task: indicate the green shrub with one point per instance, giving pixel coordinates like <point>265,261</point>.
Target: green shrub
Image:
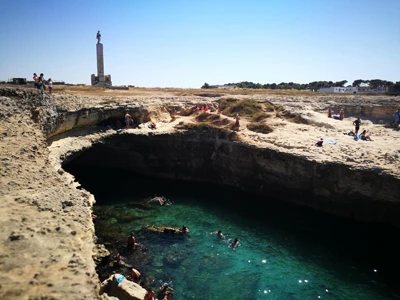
<point>259,117</point>
<point>259,127</point>
<point>245,107</point>
<point>297,118</point>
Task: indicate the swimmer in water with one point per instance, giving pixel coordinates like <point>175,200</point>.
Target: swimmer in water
<point>184,229</point>
<point>219,234</point>
<point>162,200</point>
<point>235,244</point>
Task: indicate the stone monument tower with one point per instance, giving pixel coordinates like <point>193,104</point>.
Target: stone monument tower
<point>100,79</point>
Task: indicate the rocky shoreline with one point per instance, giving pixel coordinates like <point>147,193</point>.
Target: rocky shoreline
<point>48,237</point>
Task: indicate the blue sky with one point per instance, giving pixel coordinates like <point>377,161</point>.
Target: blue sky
<point>184,43</point>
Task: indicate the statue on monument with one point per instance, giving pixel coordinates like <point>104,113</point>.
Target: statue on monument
<point>98,37</point>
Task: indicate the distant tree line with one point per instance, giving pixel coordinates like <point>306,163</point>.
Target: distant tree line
<point>394,88</point>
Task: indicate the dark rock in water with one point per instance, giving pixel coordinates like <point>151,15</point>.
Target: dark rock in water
<point>168,230</point>
<point>175,258</point>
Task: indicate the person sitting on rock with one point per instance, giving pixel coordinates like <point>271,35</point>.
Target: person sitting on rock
<point>134,275</point>
<point>319,143</point>
<point>364,136</point>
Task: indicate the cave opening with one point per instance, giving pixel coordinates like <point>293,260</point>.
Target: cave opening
<point>284,247</point>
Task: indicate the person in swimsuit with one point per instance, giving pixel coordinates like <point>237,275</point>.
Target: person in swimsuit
<point>219,234</point>
<point>135,275</point>
<point>235,243</point>
<point>184,229</point>
<point>50,85</point>
<point>150,295</point>
<point>35,81</point>
<point>364,136</point>
<point>128,120</point>
<point>357,123</point>
<point>131,241</point>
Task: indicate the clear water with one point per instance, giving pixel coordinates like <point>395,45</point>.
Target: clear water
<point>286,252</point>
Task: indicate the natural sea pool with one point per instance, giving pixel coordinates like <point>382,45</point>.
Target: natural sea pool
<point>286,252</point>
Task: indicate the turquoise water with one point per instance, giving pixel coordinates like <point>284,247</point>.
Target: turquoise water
<point>286,252</point>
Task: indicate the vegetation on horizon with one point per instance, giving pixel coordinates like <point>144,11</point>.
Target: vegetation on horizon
<point>393,88</point>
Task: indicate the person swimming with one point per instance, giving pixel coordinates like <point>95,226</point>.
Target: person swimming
<point>235,243</point>
<point>184,229</point>
<point>219,234</point>
<point>162,200</point>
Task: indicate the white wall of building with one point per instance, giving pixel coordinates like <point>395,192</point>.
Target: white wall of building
<point>347,90</point>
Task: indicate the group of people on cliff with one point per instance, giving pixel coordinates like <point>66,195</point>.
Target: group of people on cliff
<point>40,83</point>
<point>363,135</point>
<point>339,116</point>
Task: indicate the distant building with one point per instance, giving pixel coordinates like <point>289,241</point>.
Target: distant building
<point>362,89</point>
<point>336,89</point>
<point>366,89</point>
<point>225,86</point>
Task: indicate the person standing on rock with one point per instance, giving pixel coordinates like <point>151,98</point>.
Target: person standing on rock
<point>396,118</point>
<point>35,81</point>
<point>341,114</point>
<point>50,85</point>
<point>128,120</point>
<point>357,123</point>
<point>237,119</point>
